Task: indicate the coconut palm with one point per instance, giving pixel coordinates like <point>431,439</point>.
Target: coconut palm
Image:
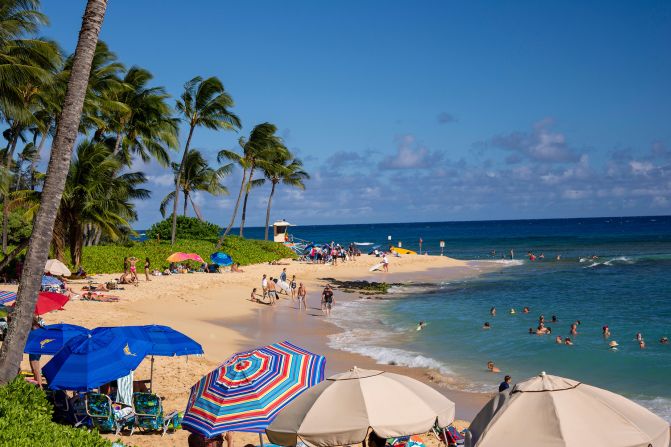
<point>147,128</point>
<point>258,151</point>
<point>205,103</point>
<point>11,351</point>
<point>285,168</point>
<point>97,197</point>
<point>197,175</point>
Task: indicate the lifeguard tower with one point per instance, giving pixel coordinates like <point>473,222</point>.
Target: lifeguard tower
<point>281,231</point>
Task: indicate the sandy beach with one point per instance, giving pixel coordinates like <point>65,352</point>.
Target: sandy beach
<point>215,310</point>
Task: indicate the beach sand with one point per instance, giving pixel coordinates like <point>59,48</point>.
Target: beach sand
<point>215,310</point>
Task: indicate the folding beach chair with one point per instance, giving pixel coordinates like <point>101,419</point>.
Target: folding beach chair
<point>108,416</point>
<point>449,436</point>
<point>149,414</point>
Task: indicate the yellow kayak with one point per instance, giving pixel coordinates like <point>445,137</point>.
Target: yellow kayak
<point>403,251</point>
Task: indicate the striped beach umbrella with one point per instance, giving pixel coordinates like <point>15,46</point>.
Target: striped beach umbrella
<point>6,297</point>
<point>247,391</point>
<point>51,281</point>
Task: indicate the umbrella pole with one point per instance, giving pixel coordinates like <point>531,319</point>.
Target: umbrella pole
<point>151,376</point>
<point>260,439</point>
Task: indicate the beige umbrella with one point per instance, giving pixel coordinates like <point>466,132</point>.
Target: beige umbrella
<point>341,409</point>
<point>56,268</point>
<point>553,411</point>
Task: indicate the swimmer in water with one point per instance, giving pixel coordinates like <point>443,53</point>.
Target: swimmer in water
<point>554,319</point>
<point>574,329</point>
<point>605,331</point>
<point>664,340</point>
<point>541,256</point>
<point>525,310</point>
<point>641,344</point>
<point>568,342</point>
<point>613,345</point>
<point>492,311</point>
<point>541,319</point>
<point>421,325</point>
<point>492,368</point>
<point>558,340</point>
<point>639,336</point>
<point>512,311</point>
<point>486,325</point>
<point>531,331</point>
<point>558,257</point>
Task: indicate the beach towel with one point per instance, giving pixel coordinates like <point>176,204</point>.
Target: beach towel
<point>125,389</point>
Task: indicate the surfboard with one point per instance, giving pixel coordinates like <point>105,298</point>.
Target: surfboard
<point>376,267</point>
<point>403,251</point>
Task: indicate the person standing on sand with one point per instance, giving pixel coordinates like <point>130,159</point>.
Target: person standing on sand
<point>264,287</point>
<point>302,293</point>
<point>272,291</point>
<point>125,266</point>
<point>283,275</point>
<point>147,264</point>
<point>385,263</point>
<point>133,269</point>
<point>327,299</point>
<point>292,286</point>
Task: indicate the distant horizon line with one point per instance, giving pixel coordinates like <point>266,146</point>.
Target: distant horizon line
<point>457,221</point>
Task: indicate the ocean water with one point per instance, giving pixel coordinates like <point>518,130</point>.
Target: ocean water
<point>627,288</point>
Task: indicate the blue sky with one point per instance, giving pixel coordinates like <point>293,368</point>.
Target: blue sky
<point>422,111</point>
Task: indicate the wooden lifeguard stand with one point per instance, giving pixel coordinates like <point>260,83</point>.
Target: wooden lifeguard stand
<point>281,231</point>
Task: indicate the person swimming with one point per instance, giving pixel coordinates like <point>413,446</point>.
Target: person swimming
<point>525,310</point>
<point>568,342</point>
<point>639,336</point>
<point>421,325</point>
<point>492,368</point>
<point>531,331</point>
<point>486,325</point>
<point>554,319</point>
<point>541,319</point>
<point>641,344</point>
<point>558,340</point>
<point>613,345</point>
<point>574,329</point>
<point>492,311</point>
<point>512,311</point>
<point>664,340</point>
<point>605,332</point>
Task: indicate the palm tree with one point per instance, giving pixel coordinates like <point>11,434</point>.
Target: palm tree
<point>147,128</point>
<point>97,196</point>
<point>205,103</point>
<point>285,168</point>
<point>258,149</point>
<point>197,175</point>
<point>11,351</point>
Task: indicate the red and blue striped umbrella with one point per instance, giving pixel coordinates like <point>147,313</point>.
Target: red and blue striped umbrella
<point>247,391</point>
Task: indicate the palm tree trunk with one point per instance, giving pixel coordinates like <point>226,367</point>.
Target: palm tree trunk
<point>186,201</point>
<point>117,144</point>
<point>244,204</point>
<point>235,211</point>
<point>177,181</point>
<point>11,351</point>
<point>5,201</point>
<point>35,160</point>
<point>76,243</point>
<point>270,201</point>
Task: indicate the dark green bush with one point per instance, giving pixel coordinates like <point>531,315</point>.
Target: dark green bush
<point>187,228</point>
<point>25,421</point>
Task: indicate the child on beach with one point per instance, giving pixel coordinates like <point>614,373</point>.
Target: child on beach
<point>253,296</point>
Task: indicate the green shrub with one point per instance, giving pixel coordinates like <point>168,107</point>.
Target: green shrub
<point>25,420</point>
<point>109,258</point>
<point>187,228</point>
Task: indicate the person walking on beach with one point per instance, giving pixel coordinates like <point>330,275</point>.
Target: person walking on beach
<point>147,264</point>
<point>385,263</point>
<point>327,299</point>
<point>505,384</point>
<point>283,275</point>
<point>302,293</point>
<point>264,287</point>
<point>272,291</point>
<point>292,286</point>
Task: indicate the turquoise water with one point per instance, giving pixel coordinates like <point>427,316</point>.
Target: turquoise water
<point>627,288</point>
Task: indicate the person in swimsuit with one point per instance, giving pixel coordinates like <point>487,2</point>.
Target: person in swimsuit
<point>125,266</point>
<point>133,269</point>
<point>327,298</point>
<point>147,264</point>
<point>574,329</point>
<point>272,291</point>
<point>302,293</point>
<point>492,368</point>
<point>292,286</point>
<point>253,297</point>
<point>264,287</point>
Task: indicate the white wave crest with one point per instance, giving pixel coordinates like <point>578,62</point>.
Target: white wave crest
<point>659,405</point>
<point>505,262</point>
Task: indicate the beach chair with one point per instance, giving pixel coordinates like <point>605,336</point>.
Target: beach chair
<point>449,435</point>
<point>107,416</point>
<point>149,414</point>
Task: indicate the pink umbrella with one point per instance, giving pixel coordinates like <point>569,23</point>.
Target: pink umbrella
<point>179,257</point>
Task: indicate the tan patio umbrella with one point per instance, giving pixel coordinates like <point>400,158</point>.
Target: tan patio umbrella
<point>341,409</point>
<point>553,411</point>
<point>56,268</point>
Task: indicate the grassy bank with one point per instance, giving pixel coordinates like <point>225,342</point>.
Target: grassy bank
<point>109,258</point>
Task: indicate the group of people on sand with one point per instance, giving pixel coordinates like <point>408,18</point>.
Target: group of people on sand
<point>331,253</point>
<point>273,287</point>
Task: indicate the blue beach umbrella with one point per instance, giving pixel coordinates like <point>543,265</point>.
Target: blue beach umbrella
<point>221,258</point>
<point>51,281</point>
<point>164,340</point>
<point>89,361</point>
<point>50,339</point>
